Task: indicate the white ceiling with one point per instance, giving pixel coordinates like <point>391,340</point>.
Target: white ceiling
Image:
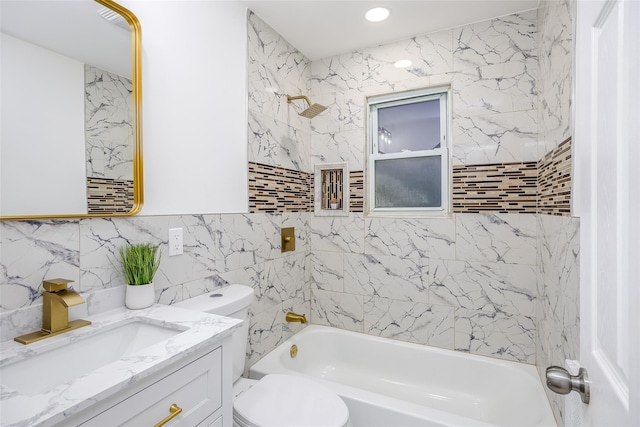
<point>322,28</point>
<point>70,28</point>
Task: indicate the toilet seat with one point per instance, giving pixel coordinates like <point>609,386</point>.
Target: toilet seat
<point>289,401</point>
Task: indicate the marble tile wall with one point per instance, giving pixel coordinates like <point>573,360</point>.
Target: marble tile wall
<point>491,66</point>
<point>277,135</point>
<point>558,302</point>
<point>558,306</point>
<point>218,249</point>
<point>555,50</point>
<point>109,125</point>
<point>465,282</point>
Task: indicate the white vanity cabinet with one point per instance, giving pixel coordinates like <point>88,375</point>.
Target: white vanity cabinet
<point>200,386</point>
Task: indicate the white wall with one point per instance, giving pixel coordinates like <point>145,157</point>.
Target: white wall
<point>194,106</point>
<point>37,82</point>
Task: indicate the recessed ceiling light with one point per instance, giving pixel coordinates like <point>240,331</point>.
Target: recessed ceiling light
<point>403,63</point>
<point>377,14</point>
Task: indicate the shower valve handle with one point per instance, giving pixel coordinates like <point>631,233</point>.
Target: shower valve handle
<point>561,381</point>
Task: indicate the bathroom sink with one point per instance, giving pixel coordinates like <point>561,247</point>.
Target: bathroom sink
<point>42,371</point>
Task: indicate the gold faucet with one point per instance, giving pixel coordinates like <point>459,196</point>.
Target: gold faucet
<point>56,300</point>
<point>293,317</point>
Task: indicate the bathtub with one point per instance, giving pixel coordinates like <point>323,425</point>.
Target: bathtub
<point>389,383</point>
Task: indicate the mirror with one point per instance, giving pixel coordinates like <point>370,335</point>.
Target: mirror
<point>71,98</point>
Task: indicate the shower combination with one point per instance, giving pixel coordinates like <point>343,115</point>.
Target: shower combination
<point>312,111</point>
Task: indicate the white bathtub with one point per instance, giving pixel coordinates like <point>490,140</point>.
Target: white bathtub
<point>388,383</point>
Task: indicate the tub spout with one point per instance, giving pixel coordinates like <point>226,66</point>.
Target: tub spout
<point>293,317</point>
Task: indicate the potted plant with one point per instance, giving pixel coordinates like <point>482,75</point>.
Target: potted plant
<point>140,263</point>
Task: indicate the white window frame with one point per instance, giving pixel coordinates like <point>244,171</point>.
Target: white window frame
<point>404,98</point>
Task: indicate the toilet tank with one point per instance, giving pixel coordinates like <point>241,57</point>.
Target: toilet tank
<point>231,301</point>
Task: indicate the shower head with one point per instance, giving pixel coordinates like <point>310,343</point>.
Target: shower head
<point>312,111</point>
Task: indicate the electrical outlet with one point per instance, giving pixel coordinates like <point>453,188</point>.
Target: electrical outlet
<point>176,246</point>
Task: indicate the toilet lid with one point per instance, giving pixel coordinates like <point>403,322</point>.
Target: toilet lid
<point>289,401</point>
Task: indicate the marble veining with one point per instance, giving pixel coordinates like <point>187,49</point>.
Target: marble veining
<point>411,237</point>
<point>244,240</point>
<point>494,287</point>
<point>265,332</point>
<point>558,307</point>
<point>337,73</point>
<point>200,331</point>
<point>327,271</point>
<point>495,334</point>
<point>500,88</point>
<point>496,41</point>
<point>32,250</point>
<point>101,238</point>
<point>346,111</point>
<point>345,146</point>
<point>495,138</point>
<point>269,48</point>
<point>429,54</point>
<point>507,238</point>
<point>461,269</point>
<point>109,124</point>
<point>555,40</point>
<point>338,233</point>
<point>337,309</point>
<point>403,279</point>
<point>410,321</point>
<point>275,143</point>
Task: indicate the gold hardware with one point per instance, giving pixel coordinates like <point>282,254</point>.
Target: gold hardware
<point>293,351</point>
<point>136,93</point>
<point>294,98</point>
<point>174,411</point>
<point>288,239</point>
<point>293,317</point>
<point>312,111</point>
<point>56,300</point>
<point>40,335</point>
<point>55,285</point>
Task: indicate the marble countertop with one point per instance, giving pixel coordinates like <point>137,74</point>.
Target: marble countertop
<point>198,332</point>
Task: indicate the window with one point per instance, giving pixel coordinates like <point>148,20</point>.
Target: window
<point>408,157</point>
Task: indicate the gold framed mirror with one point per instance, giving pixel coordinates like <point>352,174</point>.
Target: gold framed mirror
<point>71,119</point>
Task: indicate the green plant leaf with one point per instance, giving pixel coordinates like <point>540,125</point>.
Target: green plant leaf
<point>140,262</point>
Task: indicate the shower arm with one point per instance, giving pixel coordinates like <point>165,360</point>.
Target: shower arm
<point>294,98</point>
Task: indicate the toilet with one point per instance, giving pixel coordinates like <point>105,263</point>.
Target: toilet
<point>276,400</point>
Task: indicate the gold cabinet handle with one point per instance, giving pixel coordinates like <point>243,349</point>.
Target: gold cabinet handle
<point>174,412</point>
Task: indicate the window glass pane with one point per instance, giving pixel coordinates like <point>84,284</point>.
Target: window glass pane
<point>408,183</point>
<point>409,127</point>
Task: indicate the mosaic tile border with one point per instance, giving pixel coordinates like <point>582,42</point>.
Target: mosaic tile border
<point>356,191</point>
<point>554,181</point>
<point>275,189</point>
<point>529,187</point>
<point>501,187</point>
<point>105,195</point>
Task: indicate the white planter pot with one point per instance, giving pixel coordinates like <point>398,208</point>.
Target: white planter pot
<point>139,296</point>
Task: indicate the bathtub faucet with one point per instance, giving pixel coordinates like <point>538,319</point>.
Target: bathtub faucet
<point>293,317</point>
